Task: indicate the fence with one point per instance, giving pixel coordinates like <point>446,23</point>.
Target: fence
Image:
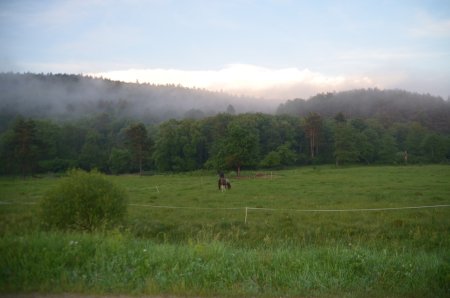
<point>246,209</point>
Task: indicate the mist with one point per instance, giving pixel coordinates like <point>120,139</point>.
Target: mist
<point>270,86</point>
<point>68,97</point>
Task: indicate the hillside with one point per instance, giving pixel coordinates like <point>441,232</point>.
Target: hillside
<point>69,97</point>
<point>387,105</point>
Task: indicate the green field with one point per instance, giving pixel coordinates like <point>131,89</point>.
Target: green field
<point>298,232</point>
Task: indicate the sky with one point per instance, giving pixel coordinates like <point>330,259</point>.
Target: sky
<point>271,49</point>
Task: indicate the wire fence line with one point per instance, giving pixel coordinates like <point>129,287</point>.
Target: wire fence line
<point>246,209</point>
<point>350,210</point>
<point>17,203</point>
<point>262,208</point>
<point>187,207</point>
<point>292,210</point>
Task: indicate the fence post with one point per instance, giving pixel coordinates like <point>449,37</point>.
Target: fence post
<point>246,213</point>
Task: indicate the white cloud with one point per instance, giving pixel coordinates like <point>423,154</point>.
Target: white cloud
<point>246,79</point>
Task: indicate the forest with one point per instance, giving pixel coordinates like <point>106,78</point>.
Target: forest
<point>386,105</point>
<point>354,127</point>
<point>71,97</point>
<point>221,142</point>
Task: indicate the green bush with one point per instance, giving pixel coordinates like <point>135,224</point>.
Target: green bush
<point>83,201</point>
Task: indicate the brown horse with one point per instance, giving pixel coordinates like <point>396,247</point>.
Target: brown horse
<point>223,184</point>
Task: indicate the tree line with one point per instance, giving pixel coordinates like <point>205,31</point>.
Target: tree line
<point>63,97</point>
<point>389,106</point>
<point>73,97</point>
<point>221,142</point>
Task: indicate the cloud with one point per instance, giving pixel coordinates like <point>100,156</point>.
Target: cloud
<point>246,79</point>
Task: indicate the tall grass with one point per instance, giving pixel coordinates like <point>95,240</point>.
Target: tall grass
<point>116,263</point>
<point>208,250</point>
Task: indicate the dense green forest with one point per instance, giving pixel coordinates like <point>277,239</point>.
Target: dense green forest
<point>361,126</point>
<point>223,141</point>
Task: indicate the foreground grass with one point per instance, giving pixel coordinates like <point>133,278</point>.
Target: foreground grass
<point>114,263</point>
<point>207,249</point>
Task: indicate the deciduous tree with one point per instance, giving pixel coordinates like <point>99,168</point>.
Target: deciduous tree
<point>241,146</point>
<point>345,149</point>
<point>313,125</point>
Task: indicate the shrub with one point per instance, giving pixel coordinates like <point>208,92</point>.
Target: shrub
<point>83,201</point>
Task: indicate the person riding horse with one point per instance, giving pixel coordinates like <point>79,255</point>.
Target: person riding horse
<point>223,182</point>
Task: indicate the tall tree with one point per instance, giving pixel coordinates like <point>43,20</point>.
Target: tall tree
<point>166,146</point>
<point>413,142</point>
<point>434,148</point>
<point>369,144</point>
<point>388,148</point>
<point>340,118</point>
<point>120,161</point>
<point>73,137</point>
<point>231,110</point>
<point>313,126</point>
<point>50,153</point>
<point>344,143</point>
<point>241,146</point>
<point>25,145</point>
<point>137,140</point>
<point>7,155</point>
<point>93,154</point>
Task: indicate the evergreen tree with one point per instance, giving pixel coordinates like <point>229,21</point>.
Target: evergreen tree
<point>313,125</point>
<point>25,145</point>
<point>231,110</point>
<point>138,143</point>
<point>93,154</point>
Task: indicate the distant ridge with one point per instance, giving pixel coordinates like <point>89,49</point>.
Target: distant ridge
<point>387,105</point>
<point>69,97</point>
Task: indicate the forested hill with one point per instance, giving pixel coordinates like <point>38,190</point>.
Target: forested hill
<point>69,97</point>
<point>387,105</point>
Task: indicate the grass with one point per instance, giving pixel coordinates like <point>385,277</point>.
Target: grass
<point>52,262</point>
<point>213,251</point>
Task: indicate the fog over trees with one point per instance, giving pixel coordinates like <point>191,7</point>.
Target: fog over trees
<point>70,97</point>
<point>51,123</point>
<point>387,105</point>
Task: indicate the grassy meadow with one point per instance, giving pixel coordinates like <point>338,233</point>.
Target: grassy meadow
<point>286,233</point>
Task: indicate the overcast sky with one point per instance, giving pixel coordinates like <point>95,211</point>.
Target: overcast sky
<point>277,49</point>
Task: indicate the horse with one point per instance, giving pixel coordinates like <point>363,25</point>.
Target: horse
<point>224,184</point>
